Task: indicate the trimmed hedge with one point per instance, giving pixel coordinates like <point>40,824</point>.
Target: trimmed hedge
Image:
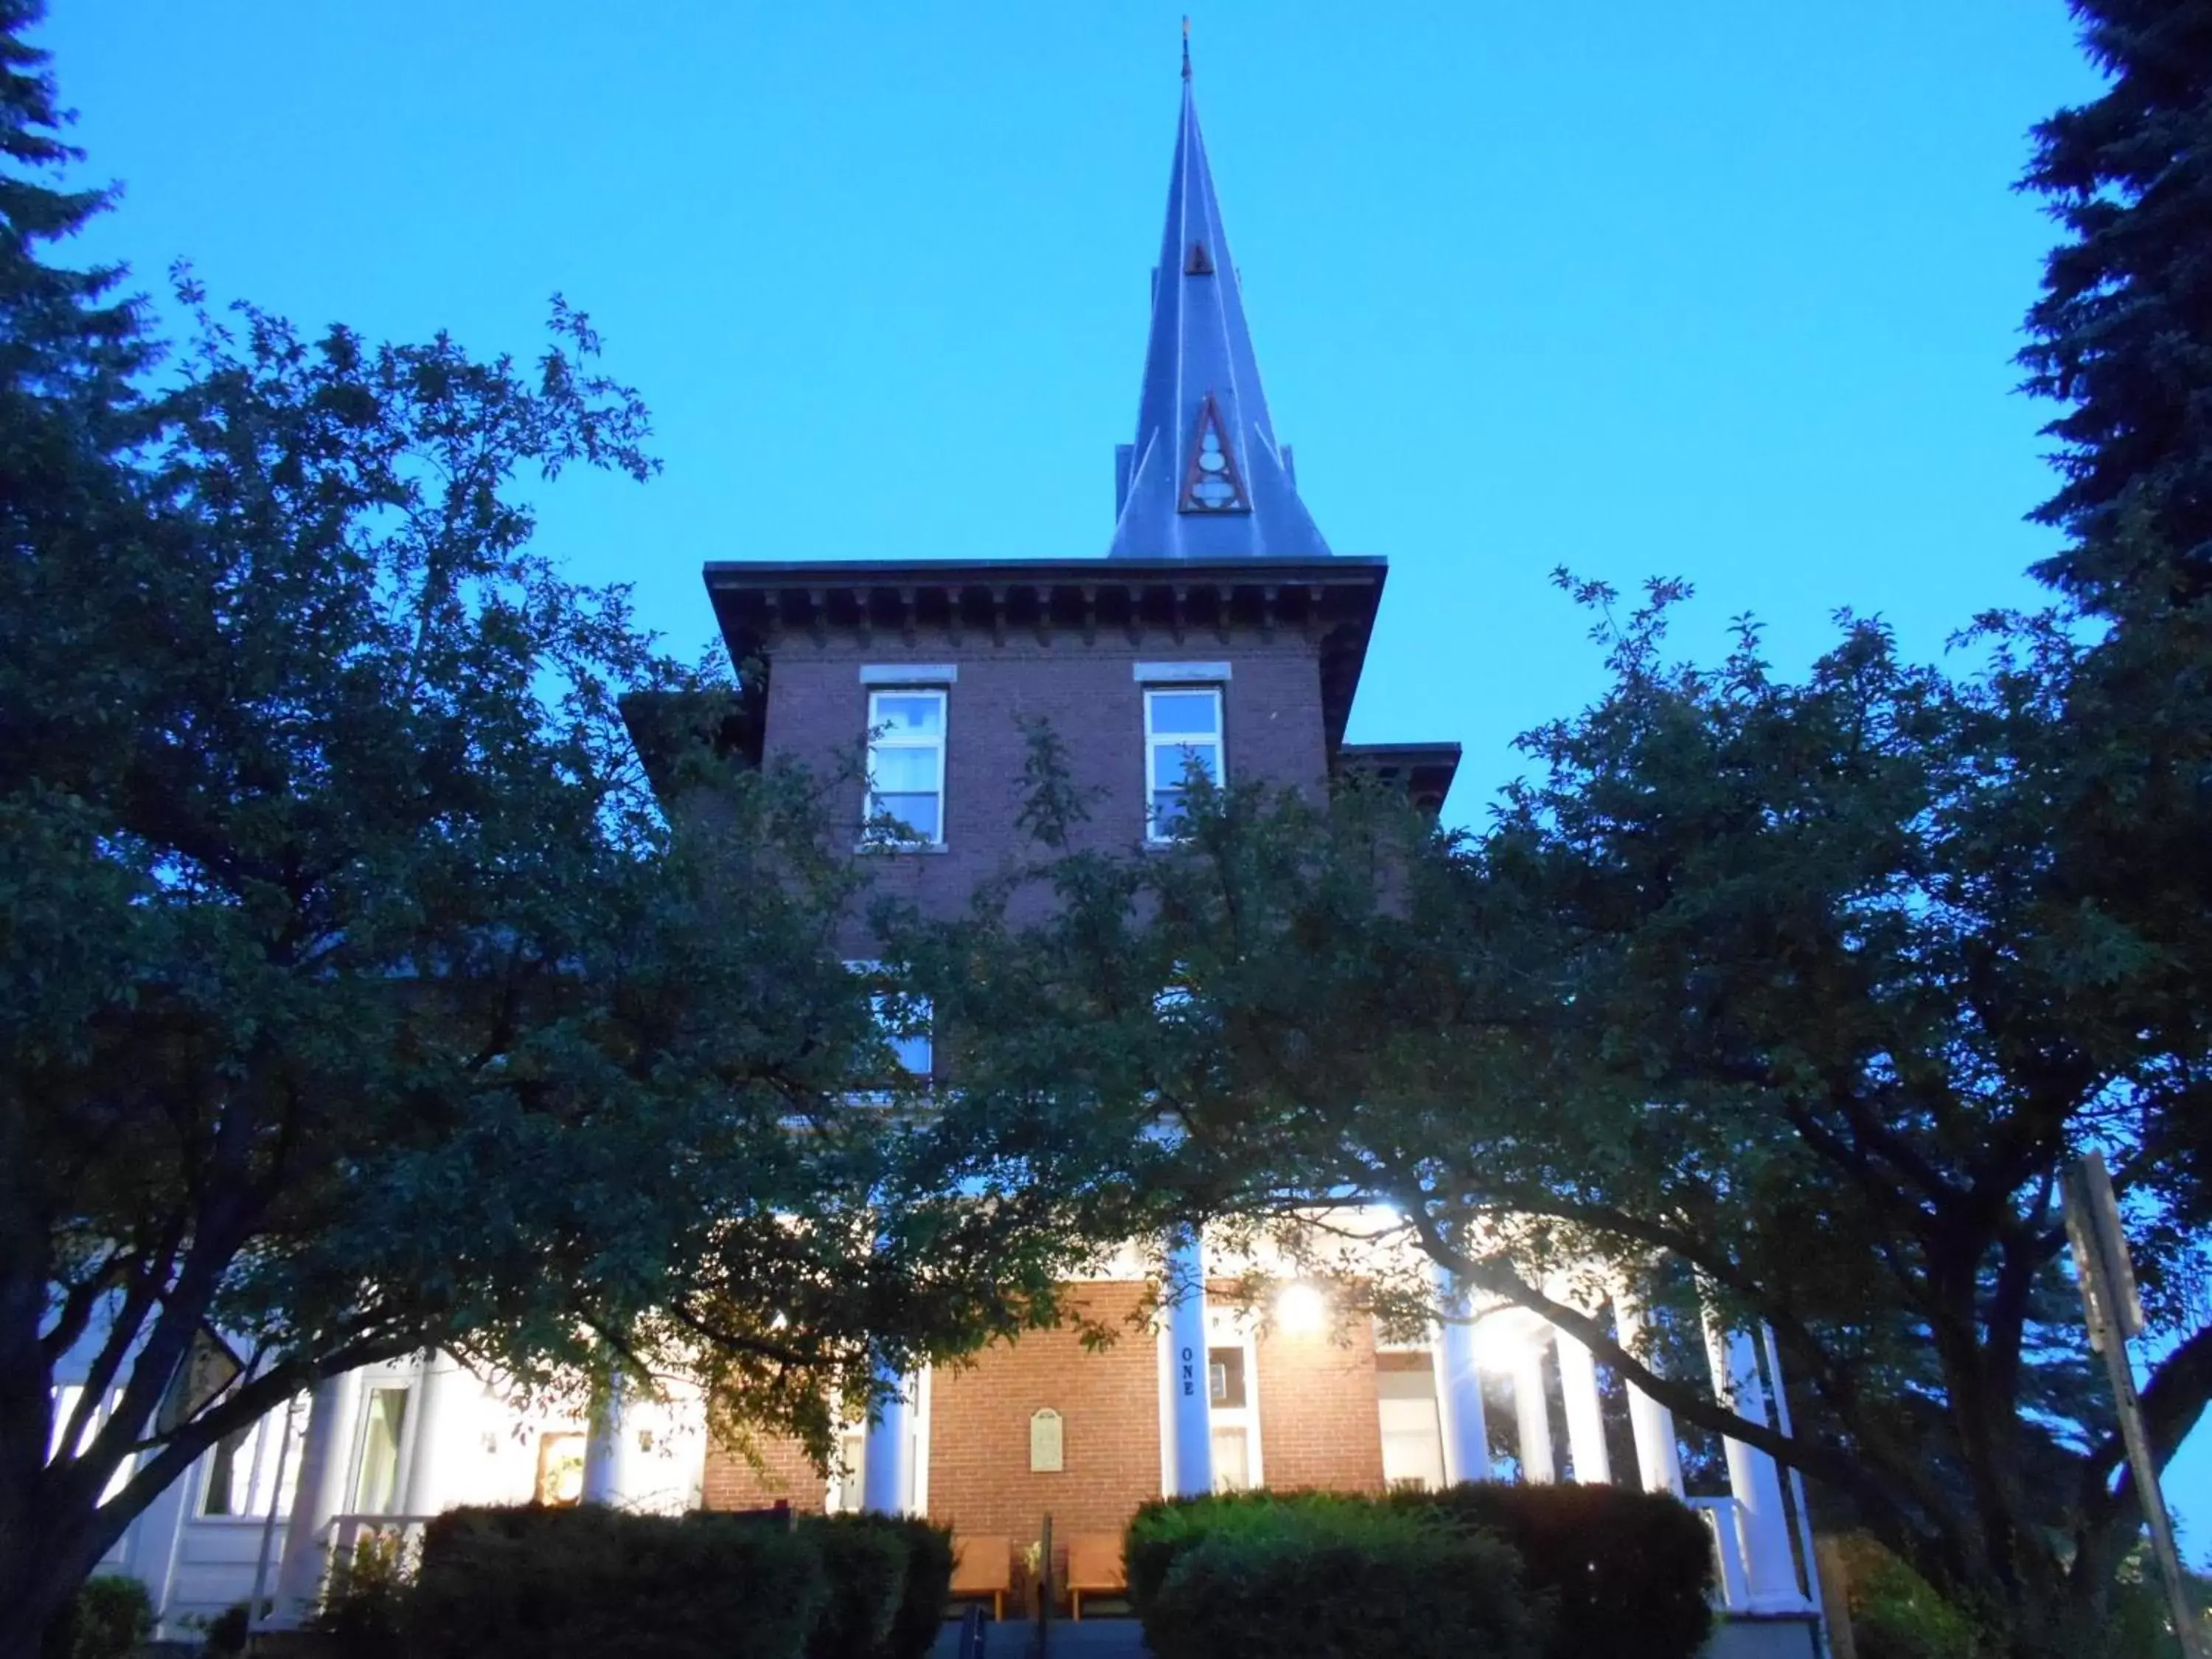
<point>1315,1580</point>
<point>584,1584</point>
<point>1163,1530</point>
<point>920,1613</point>
<point>864,1569</point>
<point>532,1582</point>
<point>1629,1574</point>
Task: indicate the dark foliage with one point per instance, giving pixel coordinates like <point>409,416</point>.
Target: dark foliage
<point>1348,1580</point>
<point>225,1634</point>
<point>110,1616</point>
<point>365,1604</point>
<point>584,1584</point>
<point>864,1569</point>
<point>1628,1574</point>
<point>920,1613</point>
<point>1164,1529</point>
<point>2123,329</point>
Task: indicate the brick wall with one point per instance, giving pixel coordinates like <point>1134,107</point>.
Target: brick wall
<point>1319,1424</point>
<point>817,711</point>
<point>980,1481</point>
<point>732,1483</point>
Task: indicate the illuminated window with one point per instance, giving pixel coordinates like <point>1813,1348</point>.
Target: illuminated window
<point>560,1469</point>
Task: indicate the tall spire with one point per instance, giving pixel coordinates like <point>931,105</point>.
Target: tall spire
<point>1205,478</point>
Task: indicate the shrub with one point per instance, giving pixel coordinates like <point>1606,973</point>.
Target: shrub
<point>585,1583</point>
<point>365,1608</point>
<point>1164,1529</point>
<point>920,1612</point>
<point>1629,1574</point>
<point>1346,1581</point>
<point>1896,1614</point>
<point>864,1568</point>
<point>109,1617</point>
<point>223,1637</point>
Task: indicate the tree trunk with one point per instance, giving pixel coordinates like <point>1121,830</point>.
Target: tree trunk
<point>38,1582</point>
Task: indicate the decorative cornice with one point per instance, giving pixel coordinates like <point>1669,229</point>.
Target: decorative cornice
<point>1331,601</point>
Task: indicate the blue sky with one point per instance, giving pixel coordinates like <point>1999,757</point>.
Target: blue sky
<point>1727,291</point>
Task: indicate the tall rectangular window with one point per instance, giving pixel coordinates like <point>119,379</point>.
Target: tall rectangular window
<point>905,1024</point>
<point>376,1487</point>
<point>906,768</point>
<point>241,1468</point>
<point>1183,730</point>
<point>1231,1417</point>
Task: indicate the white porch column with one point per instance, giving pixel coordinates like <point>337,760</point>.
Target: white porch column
<point>1658,1454</point>
<point>1538,1465</point>
<point>1585,1413</point>
<point>1190,1404</point>
<point>1459,1390</point>
<point>604,1453</point>
<point>325,1450</point>
<point>441,1396</point>
<point>1770,1570</point>
<point>887,1464</point>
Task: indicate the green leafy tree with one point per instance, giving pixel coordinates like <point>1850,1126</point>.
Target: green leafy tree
<point>358,994</point>
<point>1788,1000</point>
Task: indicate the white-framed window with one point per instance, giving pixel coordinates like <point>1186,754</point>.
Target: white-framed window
<point>1413,1433</point>
<point>1233,1394</point>
<point>1182,730</point>
<point>906,1027</point>
<point>903,1020</point>
<point>382,1455</point>
<point>848,1470</point>
<point>906,768</point>
<point>241,1474</point>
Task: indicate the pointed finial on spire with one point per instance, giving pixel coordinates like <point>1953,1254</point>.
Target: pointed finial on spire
<point>1186,46</point>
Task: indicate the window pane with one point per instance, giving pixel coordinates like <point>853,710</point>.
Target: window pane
<point>1171,763</point>
<point>1232,1469</point>
<point>903,770</point>
<point>917,812</point>
<point>910,714</point>
<point>1179,712</point>
<point>905,1024</point>
<point>228,1474</point>
<point>1167,811</point>
<point>559,1468</point>
<point>1225,1379</point>
<point>378,1487</point>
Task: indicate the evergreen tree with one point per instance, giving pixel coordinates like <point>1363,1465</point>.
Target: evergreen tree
<point>2123,329</point>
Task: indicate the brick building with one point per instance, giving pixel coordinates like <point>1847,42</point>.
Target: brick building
<point>1217,629</point>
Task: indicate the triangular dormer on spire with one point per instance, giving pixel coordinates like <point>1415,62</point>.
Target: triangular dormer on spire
<point>1205,478</point>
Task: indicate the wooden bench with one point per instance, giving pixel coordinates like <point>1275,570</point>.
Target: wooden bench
<point>1095,1568</point>
<point>983,1566</point>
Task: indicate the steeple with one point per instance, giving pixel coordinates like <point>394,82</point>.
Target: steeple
<point>1205,478</point>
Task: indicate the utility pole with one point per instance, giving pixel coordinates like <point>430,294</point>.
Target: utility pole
<point>2108,1295</point>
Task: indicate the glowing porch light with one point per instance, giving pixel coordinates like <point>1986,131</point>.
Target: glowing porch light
<point>1503,1340</point>
<point>1300,1310</point>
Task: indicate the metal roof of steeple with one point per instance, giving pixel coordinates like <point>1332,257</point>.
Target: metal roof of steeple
<point>1205,478</point>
